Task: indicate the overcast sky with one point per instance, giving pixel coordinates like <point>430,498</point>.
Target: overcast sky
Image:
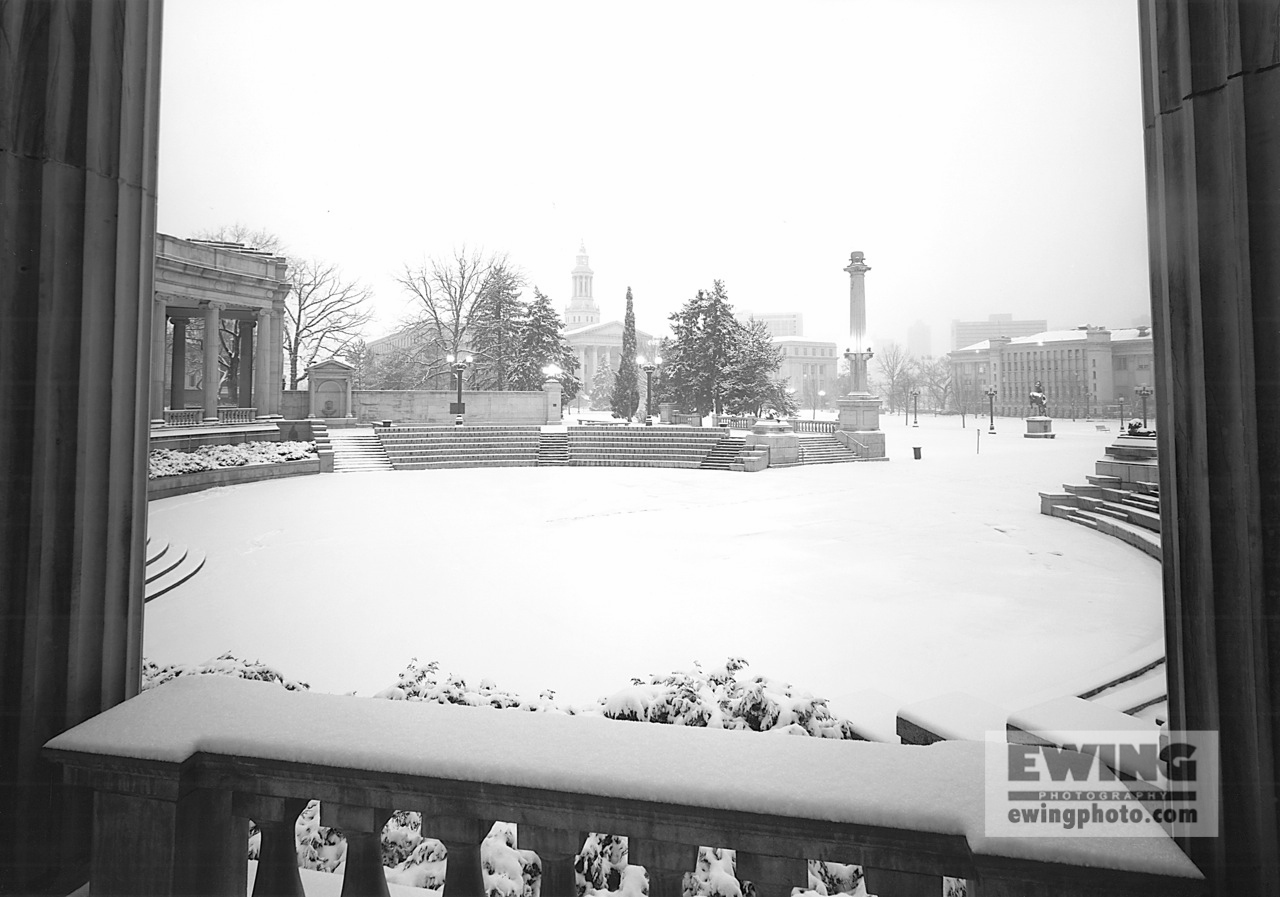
<point>986,156</point>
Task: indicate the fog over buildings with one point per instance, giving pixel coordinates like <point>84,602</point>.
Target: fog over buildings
<point>978,152</point>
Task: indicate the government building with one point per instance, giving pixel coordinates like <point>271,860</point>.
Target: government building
<point>1085,371</point>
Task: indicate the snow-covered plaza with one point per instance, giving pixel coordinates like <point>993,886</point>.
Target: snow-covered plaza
<point>871,584</point>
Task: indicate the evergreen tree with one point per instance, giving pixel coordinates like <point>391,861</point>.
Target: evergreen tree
<point>749,380</point>
<point>497,325</point>
<point>540,344</point>
<point>602,388</point>
<point>626,393</point>
<point>705,341</point>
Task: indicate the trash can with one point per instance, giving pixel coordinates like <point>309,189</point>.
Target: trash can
<point>916,449</point>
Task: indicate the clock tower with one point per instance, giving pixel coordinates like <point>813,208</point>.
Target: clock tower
<point>582,310</point>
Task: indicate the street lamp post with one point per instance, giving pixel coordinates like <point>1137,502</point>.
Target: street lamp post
<point>649,367</point>
<point>991,407</point>
<point>915,406</point>
<point>822,394</point>
<point>1144,391</point>
<point>1121,400</point>
<point>459,366</point>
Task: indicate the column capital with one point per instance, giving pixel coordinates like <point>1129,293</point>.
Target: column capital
<point>214,304</point>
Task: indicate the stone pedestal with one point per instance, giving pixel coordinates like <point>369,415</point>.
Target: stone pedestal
<point>554,392</point>
<point>1039,428</point>
<point>860,420</point>
<point>779,438</point>
<point>859,411</point>
<point>664,411</point>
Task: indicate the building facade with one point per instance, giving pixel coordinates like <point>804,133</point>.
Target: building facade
<point>596,344</point>
<point>1084,372</point>
<point>966,333</point>
<point>810,368</point>
<point>780,323</point>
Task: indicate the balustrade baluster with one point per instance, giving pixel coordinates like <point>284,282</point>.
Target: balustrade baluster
<point>461,836</point>
<point>364,875</point>
<point>277,818</point>
<point>665,861</point>
<point>892,883</point>
<point>775,875</point>
<point>557,849</point>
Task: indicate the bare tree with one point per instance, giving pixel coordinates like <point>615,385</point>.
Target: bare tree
<point>447,293</point>
<point>254,238</point>
<point>935,375</point>
<point>896,372</point>
<point>323,314</point>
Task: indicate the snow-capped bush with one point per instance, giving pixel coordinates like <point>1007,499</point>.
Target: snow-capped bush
<point>167,462</point>
<point>227,665</point>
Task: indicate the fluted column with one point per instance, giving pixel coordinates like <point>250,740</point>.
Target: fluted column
<point>158,325</point>
<point>178,366</point>
<point>211,373</point>
<point>1211,88</point>
<point>262,377</point>
<point>79,90</point>
<point>276,350</point>
<point>244,378</point>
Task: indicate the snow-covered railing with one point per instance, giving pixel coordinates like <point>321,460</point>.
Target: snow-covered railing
<point>183,417</point>
<point>812,426</point>
<point>231,415</point>
<point>180,769</point>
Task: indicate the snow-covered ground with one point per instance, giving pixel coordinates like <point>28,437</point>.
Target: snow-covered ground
<point>876,583</point>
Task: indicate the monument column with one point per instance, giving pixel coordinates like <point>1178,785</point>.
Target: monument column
<point>77,206</point>
<point>178,365</point>
<point>859,410</point>
<point>262,380</point>
<point>156,394</point>
<point>210,374</point>
<point>244,388</point>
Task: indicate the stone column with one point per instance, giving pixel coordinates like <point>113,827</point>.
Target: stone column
<point>276,350</point>
<point>262,377</point>
<point>158,324</point>
<point>1211,88</point>
<point>210,374</point>
<point>554,392</point>
<point>80,86</point>
<point>245,376</point>
<point>178,365</point>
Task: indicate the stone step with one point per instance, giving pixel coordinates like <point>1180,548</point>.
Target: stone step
<point>1133,514</point>
<point>192,563</point>
<point>1089,491</point>
<point>446,464</point>
<point>1137,693</point>
<point>615,462</point>
<point>1104,480</point>
<point>172,556</point>
<point>1145,502</point>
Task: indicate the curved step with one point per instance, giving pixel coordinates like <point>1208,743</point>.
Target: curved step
<point>192,563</point>
<point>173,556</point>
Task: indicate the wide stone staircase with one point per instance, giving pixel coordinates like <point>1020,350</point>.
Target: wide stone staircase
<point>357,452</point>
<point>606,446</point>
<point>724,453</point>
<point>1121,499</point>
<point>423,446</point>
<point>825,449</point>
<point>553,449</point>
<point>169,564</point>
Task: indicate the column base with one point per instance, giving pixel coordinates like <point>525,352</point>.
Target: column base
<point>859,412</point>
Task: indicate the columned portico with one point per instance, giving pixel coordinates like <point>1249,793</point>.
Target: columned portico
<point>224,285</point>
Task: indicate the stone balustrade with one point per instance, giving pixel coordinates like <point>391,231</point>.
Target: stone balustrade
<point>812,426</point>
<point>194,417</point>
<point>183,417</point>
<point>179,771</point>
<point>229,415</point>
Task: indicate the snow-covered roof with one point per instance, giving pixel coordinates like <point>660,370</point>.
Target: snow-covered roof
<point>1063,336</point>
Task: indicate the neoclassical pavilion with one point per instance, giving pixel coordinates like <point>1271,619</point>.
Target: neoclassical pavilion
<point>216,283</point>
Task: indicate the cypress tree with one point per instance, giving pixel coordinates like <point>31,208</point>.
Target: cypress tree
<point>626,388</point>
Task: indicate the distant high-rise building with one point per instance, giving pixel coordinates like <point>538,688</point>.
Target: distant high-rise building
<point>920,340</point>
<point>966,333</point>
<point>780,323</point>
